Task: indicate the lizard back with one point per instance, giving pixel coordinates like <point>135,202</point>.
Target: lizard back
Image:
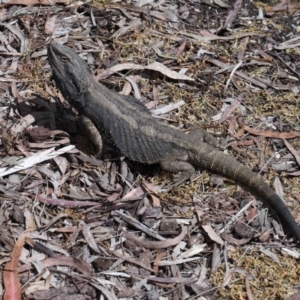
<point>128,123</point>
<point>122,118</point>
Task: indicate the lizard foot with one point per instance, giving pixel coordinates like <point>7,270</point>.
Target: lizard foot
<point>183,170</point>
<point>179,178</point>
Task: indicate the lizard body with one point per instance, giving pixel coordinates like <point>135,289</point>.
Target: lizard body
<point>143,138</point>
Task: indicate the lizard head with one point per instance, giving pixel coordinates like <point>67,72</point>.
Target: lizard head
<point>70,72</point>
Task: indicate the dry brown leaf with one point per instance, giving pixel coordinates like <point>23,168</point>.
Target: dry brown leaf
<point>252,213</point>
<point>154,244</point>
<point>24,41</point>
<point>133,24</point>
<point>248,288</point>
<point>69,261</point>
<point>10,273</point>
<point>238,242</point>
<point>295,296</point>
<point>133,194</point>
<point>87,234</point>
<point>133,260</point>
<point>36,2</point>
<point>227,112</point>
<point>118,68</point>
<point>66,203</point>
<point>156,66</point>
<point>293,151</point>
<point>50,25</point>
<point>239,73</point>
<point>155,201</point>
<point>212,234</point>
<point>165,16</point>
<point>272,134</point>
<point>227,278</point>
<point>233,13</point>
<point>242,48</point>
<point>158,258</point>
<point>221,3</point>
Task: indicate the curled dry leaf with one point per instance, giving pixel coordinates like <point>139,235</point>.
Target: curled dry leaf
<point>80,265</point>
<point>154,244</point>
<point>272,134</point>
<point>118,68</point>
<point>10,274</point>
<point>230,239</point>
<point>155,66</point>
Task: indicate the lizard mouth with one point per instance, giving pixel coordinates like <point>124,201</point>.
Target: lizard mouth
<point>53,56</point>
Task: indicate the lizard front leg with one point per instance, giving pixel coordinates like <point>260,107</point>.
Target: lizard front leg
<point>93,133</point>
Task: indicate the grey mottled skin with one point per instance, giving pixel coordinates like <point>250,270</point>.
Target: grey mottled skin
<point>145,139</point>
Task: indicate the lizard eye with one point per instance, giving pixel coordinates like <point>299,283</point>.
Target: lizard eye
<point>64,59</point>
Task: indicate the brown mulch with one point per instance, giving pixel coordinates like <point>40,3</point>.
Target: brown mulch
<point>78,226</point>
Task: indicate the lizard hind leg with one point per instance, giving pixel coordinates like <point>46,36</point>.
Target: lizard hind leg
<point>206,137</point>
<point>183,170</point>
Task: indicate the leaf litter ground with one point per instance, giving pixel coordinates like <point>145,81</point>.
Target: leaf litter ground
<point>76,226</point>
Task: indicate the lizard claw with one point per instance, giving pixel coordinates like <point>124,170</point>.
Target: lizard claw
<point>178,180</point>
<point>225,143</point>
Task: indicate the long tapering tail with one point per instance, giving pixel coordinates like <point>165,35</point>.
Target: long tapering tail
<point>209,158</point>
